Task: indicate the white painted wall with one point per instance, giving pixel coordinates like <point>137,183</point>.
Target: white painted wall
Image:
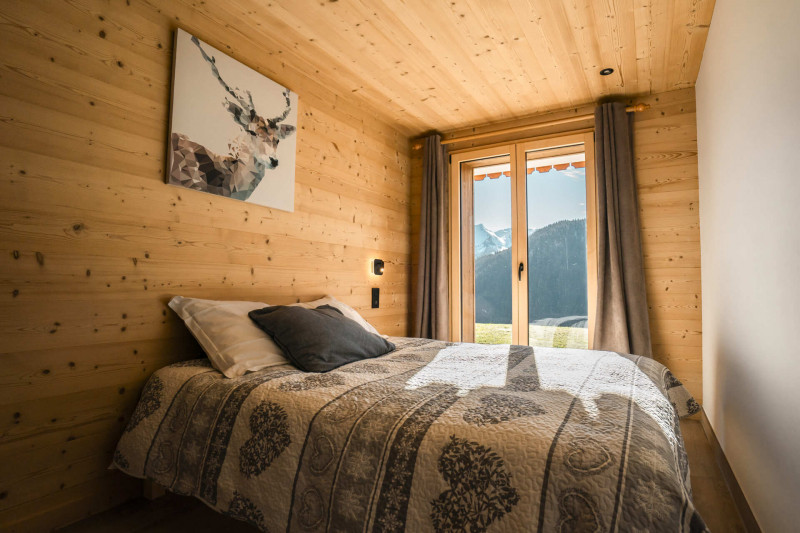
<point>748,126</point>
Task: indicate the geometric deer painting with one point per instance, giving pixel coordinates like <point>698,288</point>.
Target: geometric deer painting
<point>233,131</point>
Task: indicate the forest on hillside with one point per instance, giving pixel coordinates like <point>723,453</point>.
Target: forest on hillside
<point>557,270</point>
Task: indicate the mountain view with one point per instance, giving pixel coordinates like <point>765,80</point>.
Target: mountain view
<point>557,261</point>
<point>490,242</point>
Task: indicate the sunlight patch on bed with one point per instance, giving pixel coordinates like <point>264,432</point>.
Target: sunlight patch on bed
<point>620,377</point>
<point>467,366</point>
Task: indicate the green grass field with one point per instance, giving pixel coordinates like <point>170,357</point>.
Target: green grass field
<point>553,336</point>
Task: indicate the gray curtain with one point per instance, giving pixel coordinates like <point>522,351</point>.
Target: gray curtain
<point>621,321</point>
<point>431,313</point>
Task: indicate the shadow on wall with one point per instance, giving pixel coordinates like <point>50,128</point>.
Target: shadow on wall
<point>743,421</point>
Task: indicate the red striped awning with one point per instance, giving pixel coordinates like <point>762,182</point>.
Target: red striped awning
<point>544,169</point>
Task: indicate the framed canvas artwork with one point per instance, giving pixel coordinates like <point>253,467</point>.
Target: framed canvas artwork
<point>232,130</point>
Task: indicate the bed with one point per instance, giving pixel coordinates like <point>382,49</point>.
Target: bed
<point>434,436</point>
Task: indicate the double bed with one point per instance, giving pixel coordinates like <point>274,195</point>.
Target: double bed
<point>434,436</point>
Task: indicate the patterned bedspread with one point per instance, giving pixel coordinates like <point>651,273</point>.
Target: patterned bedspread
<point>432,437</point>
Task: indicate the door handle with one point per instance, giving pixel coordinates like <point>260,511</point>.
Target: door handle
<point>520,270</point>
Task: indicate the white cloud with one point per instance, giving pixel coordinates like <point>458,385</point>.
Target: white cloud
<point>574,173</point>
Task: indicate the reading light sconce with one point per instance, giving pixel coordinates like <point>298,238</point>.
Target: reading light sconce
<point>377,267</point>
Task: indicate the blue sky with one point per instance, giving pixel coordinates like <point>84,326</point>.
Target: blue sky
<point>552,196</point>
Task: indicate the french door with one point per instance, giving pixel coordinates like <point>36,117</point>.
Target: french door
<point>523,243</point>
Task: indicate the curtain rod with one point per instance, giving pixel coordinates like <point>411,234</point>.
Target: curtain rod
<point>578,118</point>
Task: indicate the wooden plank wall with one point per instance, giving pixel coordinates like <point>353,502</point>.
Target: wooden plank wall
<point>665,144</point>
<point>666,169</point>
<point>93,243</point>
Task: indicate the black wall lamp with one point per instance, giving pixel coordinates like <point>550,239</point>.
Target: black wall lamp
<point>377,267</point>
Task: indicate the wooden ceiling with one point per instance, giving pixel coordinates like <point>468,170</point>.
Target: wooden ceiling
<point>447,64</point>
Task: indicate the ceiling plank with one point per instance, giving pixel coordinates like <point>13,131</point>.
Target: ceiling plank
<point>423,65</point>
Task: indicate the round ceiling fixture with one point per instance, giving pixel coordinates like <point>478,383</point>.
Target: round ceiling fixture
<point>606,71</point>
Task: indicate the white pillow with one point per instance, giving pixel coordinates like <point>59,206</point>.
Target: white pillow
<point>346,310</point>
<point>233,343</point>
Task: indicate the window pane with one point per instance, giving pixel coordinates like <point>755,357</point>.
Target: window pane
<point>557,292</point>
<point>492,208</point>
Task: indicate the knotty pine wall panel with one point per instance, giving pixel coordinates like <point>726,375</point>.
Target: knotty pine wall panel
<point>93,243</point>
<point>665,146</point>
<point>665,138</point>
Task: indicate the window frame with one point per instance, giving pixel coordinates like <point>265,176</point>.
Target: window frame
<point>461,234</point>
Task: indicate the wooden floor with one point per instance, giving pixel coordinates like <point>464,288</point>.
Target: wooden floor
<point>176,513</point>
<point>711,495</point>
<point>168,514</point>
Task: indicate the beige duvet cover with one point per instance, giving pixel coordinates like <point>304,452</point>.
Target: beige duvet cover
<point>432,437</point>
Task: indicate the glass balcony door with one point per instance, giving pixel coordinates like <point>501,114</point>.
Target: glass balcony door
<point>482,253</point>
<point>523,266</point>
<point>559,218</point>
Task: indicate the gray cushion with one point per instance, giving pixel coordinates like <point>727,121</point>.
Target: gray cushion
<point>321,339</point>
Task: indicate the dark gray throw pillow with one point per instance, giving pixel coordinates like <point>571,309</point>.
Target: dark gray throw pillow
<point>321,339</point>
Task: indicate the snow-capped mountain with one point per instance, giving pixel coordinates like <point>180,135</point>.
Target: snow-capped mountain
<point>488,242</point>
<point>505,236</point>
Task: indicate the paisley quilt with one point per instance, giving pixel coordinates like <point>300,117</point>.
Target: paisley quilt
<point>434,436</point>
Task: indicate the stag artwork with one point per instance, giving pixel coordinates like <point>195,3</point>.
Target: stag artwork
<point>252,154</point>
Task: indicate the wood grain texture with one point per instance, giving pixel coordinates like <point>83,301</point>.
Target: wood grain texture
<point>93,243</point>
<point>447,65</point>
<point>418,65</point>
<point>666,170</point>
<point>665,147</point>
